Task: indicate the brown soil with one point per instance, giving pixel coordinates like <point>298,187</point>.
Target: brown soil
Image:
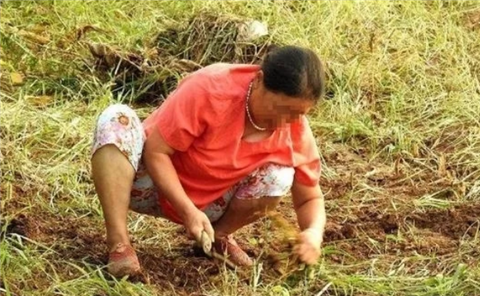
<point>357,230</point>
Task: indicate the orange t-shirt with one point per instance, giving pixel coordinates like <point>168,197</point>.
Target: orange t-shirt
<point>203,120</point>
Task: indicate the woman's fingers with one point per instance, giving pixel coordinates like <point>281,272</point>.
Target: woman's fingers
<point>306,249</point>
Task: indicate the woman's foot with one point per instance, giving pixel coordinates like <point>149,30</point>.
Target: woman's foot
<point>123,261</point>
<point>228,247</point>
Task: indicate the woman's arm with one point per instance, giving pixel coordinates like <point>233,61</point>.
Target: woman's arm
<point>310,209</point>
<point>160,168</point>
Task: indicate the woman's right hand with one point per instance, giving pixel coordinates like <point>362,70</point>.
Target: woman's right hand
<point>157,155</point>
<point>196,221</point>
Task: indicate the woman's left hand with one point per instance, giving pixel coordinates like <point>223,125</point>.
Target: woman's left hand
<point>308,245</point>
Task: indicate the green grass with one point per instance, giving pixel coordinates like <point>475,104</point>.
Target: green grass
<point>400,136</point>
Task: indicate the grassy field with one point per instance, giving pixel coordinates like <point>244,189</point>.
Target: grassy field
<point>399,136</point>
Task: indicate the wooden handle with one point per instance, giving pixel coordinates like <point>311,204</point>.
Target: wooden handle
<point>206,243</point>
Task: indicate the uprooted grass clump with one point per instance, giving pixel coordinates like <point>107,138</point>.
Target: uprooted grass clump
<point>176,51</point>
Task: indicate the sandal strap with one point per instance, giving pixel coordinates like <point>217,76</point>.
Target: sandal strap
<point>228,247</point>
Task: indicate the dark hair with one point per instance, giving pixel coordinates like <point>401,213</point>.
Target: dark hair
<point>294,71</point>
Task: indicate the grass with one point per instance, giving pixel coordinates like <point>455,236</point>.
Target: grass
<point>399,136</point>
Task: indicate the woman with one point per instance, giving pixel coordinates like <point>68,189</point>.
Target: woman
<point>218,154</point>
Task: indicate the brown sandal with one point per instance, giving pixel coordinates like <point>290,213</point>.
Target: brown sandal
<point>123,261</point>
<point>229,248</point>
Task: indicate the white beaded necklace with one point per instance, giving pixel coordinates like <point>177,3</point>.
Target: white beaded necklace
<point>248,110</point>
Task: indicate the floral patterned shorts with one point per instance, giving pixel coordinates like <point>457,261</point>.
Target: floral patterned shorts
<point>119,125</point>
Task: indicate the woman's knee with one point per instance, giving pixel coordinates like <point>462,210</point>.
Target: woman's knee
<point>120,126</point>
<point>271,181</point>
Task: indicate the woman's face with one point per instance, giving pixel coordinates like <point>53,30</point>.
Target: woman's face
<point>273,110</point>
<point>277,109</point>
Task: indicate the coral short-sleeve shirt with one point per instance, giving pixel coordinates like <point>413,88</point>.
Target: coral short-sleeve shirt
<point>203,121</point>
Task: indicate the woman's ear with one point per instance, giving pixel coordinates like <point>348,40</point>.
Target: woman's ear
<point>258,80</point>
